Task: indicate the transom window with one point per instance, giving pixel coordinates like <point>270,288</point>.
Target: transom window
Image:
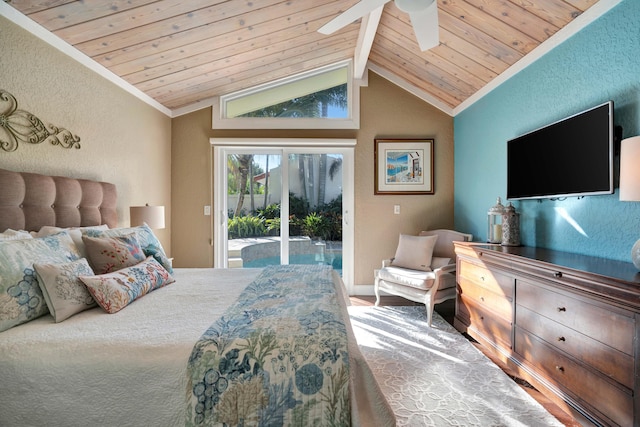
<point>325,98</point>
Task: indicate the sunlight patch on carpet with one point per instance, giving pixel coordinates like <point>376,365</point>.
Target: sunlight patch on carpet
<point>435,376</point>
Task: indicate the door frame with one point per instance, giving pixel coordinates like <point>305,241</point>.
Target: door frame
<point>283,146</point>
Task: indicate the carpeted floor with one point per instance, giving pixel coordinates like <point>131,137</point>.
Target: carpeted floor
<point>436,377</point>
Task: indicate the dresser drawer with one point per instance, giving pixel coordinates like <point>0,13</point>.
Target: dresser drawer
<point>609,361</point>
<point>607,325</point>
<point>612,400</point>
<point>484,322</point>
<point>497,304</point>
<point>493,281</point>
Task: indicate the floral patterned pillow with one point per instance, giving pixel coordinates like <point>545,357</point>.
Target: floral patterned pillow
<point>74,232</point>
<point>65,294</point>
<point>148,241</point>
<point>114,291</point>
<point>21,299</point>
<point>108,254</point>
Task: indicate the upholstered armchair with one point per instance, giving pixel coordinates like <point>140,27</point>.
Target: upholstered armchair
<point>423,268</point>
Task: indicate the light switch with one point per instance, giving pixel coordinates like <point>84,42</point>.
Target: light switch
<point>207,210</point>
<point>396,209</point>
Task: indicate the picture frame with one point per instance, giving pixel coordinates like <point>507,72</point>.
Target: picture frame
<point>403,166</point>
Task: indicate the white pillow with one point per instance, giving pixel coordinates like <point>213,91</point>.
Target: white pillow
<point>414,252</point>
<point>10,234</point>
<point>64,292</point>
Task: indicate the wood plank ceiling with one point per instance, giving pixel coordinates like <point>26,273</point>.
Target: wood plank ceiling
<point>180,52</point>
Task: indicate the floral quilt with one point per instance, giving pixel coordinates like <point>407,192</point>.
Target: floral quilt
<point>277,357</point>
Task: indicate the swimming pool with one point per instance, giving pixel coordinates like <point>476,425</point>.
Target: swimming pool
<point>334,260</point>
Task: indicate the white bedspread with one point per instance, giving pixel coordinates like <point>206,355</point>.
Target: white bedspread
<point>129,368</point>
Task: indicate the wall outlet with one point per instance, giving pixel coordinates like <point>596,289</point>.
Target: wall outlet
<point>396,209</point>
<point>207,210</point>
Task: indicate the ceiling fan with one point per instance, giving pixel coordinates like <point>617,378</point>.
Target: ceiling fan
<point>423,15</point>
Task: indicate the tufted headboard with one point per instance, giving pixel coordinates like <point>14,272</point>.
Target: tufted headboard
<point>29,201</point>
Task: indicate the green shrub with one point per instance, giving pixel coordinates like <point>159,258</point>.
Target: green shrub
<point>272,211</point>
<point>246,226</point>
<point>316,225</point>
<point>298,206</point>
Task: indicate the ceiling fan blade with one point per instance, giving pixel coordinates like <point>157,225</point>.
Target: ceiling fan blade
<point>355,12</point>
<point>425,25</point>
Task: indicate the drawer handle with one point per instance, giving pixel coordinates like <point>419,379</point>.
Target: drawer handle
<point>482,278</point>
<point>557,274</point>
<point>482,299</point>
<point>563,339</point>
<point>562,309</point>
<point>560,368</point>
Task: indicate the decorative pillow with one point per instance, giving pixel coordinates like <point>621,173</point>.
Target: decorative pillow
<point>21,299</point>
<point>74,232</point>
<point>414,252</point>
<point>150,244</point>
<point>114,291</point>
<point>438,262</point>
<point>10,234</point>
<point>65,294</point>
<point>108,254</point>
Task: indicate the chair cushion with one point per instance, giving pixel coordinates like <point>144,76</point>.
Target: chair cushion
<point>414,278</point>
<point>414,252</point>
<point>447,281</point>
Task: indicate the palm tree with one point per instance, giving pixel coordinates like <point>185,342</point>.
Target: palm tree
<point>335,167</point>
<point>233,174</point>
<point>313,105</point>
<point>244,165</point>
<point>266,183</point>
<point>322,172</point>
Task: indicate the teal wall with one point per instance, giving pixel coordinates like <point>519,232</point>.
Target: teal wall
<point>599,63</point>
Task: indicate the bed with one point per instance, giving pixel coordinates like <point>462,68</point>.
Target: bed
<point>162,346</point>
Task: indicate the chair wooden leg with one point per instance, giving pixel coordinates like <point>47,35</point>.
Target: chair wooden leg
<point>428,305</point>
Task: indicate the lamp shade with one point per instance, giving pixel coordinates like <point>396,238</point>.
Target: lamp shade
<point>153,216</point>
<point>630,169</point>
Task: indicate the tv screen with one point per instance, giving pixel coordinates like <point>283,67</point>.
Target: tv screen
<point>571,157</point>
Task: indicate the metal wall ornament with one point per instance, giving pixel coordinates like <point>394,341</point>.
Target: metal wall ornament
<point>21,126</point>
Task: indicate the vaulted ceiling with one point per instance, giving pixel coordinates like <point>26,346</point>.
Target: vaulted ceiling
<point>185,52</point>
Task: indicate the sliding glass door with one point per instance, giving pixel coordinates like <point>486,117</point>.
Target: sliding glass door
<point>286,203</point>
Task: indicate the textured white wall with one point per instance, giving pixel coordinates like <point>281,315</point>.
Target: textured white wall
<point>124,140</point>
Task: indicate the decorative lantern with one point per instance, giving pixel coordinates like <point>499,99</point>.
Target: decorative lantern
<point>510,227</point>
<point>494,217</point>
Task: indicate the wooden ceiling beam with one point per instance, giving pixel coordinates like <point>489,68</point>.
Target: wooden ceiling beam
<point>368,30</point>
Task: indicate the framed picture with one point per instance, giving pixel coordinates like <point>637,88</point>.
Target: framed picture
<point>403,166</point>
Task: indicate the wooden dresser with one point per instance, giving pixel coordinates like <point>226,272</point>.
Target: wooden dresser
<point>568,323</point>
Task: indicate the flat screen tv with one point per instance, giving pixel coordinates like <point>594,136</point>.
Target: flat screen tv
<point>571,157</point>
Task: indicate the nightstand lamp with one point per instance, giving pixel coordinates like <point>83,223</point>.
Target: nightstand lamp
<point>153,216</point>
<point>630,181</point>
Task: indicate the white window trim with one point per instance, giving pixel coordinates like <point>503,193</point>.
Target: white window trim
<point>351,122</point>
<point>269,145</point>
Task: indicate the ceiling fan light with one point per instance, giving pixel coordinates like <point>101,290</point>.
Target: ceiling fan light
<point>410,6</point>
